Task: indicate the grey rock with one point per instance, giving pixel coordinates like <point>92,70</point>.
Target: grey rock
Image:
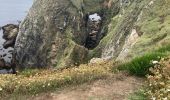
<point>10,32</point>
<point>52,32</point>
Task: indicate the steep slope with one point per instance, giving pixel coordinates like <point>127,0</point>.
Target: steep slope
<point>55,32</point>
<point>141,26</point>
<point>45,25</point>
<point>62,33</point>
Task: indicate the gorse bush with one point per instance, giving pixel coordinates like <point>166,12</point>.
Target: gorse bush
<point>159,81</point>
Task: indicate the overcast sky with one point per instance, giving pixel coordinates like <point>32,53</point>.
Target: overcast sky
<point>13,10</point>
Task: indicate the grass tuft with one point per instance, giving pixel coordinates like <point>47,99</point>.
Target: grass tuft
<point>139,66</point>
<point>138,95</point>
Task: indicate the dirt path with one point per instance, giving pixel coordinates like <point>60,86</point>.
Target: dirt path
<point>117,87</point>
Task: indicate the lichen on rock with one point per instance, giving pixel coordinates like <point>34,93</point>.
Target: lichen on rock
<point>53,29</point>
<point>54,32</point>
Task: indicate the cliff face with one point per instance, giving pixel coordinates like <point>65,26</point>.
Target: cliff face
<point>63,33</point>
<point>55,32</point>
<point>139,27</point>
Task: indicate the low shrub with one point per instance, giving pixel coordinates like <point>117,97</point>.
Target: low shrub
<point>140,65</point>
<point>159,81</point>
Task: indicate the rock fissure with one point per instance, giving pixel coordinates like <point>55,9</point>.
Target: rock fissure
<point>94,24</point>
<point>58,31</point>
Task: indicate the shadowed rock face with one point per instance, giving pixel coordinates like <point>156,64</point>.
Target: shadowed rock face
<point>10,32</point>
<point>2,63</point>
<point>54,28</point>
<point>6,68</point>
<point>94,24</point>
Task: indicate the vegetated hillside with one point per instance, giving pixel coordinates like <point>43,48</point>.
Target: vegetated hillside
<point>142,26</point>
<point>64,33</point>
<point>56,33</point>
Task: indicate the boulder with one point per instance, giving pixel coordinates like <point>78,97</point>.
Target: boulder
<point>49,23</point>
<point>10,32</point>
<point>7,68</point>
<point>54,29</point>
<point>97,60</point>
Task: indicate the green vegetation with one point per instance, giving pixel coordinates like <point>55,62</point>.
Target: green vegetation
<point>140,65</point>
<point>153,23</point>
<point>31,82</point>
<point>164,49</point>
<point>138,95</point>
<point>154,26</point>
<point>29,72</point>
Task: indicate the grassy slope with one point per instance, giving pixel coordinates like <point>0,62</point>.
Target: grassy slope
<point>154,23</point>
<point>31,82</point>
<point>37,81</point>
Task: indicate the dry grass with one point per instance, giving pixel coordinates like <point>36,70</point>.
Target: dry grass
<point>48,80</point>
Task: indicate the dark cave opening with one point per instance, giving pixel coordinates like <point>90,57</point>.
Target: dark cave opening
<point>93,25</point>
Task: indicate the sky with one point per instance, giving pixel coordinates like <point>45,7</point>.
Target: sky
<point>13,10</point>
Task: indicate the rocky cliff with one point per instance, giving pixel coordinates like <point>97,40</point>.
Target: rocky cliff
<point>69,32</point>
<point>55,32</point>
<point>140,26</point>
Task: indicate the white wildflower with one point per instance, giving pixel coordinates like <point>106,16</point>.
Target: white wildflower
<point>165,98</point>
<point>155,62</point>
<point>153,98</point>
<point>168,90</point>
<point>0,89</point>
<point>49,84</point>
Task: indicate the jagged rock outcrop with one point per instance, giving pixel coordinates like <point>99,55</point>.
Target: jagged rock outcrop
<point>6,68</point>
<point>55,31</point>
<point>10,32</point>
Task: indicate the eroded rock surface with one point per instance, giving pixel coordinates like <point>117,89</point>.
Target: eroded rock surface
<point>2,62</point>
<point>10,32</point>
<point>55,32</point>
<point>140,26</point>
<point>53,29</point>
